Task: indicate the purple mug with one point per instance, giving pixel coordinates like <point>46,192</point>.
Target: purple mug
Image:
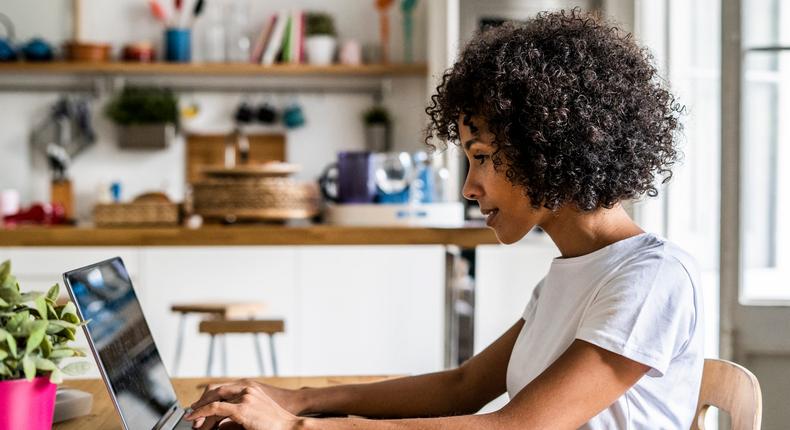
<point>350,179</point>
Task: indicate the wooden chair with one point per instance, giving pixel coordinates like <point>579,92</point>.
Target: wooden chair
<point>217,327</point>
<point>214,310</point>
<point>731,388</point>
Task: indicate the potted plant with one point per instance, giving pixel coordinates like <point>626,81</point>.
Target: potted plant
<point>321,39</point>
<point>34,337</point>
<point>146,117</point>
<point>377,128</point>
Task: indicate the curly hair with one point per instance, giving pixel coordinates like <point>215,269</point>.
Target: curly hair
<point>577,110</point>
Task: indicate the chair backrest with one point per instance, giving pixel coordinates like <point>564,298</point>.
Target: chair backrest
<point>731,388</point>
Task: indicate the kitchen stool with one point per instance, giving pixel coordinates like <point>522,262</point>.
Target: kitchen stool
<point>215,310</point>
<point>218,327</point>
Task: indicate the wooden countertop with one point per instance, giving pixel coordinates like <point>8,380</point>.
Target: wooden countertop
<point>103,415</point>
<point>216,235</point>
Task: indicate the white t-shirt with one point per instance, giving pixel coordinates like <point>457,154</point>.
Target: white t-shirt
<point>640,298</point>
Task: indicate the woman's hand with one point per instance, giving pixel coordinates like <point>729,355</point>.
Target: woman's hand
<point>246,403</point>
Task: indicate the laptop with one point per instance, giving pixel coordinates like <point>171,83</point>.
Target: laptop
<point>121,342</point>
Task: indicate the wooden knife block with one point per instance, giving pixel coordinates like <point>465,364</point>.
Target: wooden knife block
<point>209,150</point>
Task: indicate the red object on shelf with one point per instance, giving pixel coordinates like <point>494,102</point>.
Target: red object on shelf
<point>141,52</point>
<point>38,214</point>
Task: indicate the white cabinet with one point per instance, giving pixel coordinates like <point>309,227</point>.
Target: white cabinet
<point>347,309</point>
<point>371,309</point>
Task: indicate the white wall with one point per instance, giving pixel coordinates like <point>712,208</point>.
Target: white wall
<point>333,120</point>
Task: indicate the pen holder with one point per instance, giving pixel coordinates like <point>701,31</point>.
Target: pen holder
<point>178,45</point>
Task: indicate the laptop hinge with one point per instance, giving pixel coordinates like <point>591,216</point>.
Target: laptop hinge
<point>171,418</point>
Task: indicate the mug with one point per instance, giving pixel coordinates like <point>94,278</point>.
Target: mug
<point>178,45</point>
<point>350,179</point>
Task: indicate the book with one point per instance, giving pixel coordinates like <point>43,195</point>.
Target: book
<point>287,42</point>
<point>256,55</point>
<point>296,36</point>
<point>274,43</point>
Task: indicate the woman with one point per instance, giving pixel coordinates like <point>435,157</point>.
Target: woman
<point>561,119</point>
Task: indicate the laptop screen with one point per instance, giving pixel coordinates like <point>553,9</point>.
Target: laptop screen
<point>137,377</point>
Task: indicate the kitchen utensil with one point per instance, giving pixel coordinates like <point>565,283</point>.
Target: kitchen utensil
<point>158,11</point>
<point>350,179</point>
<point>394,171</point>
<point>7,51</point>
<point>407,9</point>
<point>384,27</point>
<point>37,50</point>
<point>9,202</point>
<point>90,52</point>
<point>254,193</point>
<point>140,52</point>
<point>266,114</point>
<point>178,45</point>
<point>293,116</point>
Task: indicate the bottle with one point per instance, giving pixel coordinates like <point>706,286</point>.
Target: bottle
<point>214,37</point>
<point>237,38</point>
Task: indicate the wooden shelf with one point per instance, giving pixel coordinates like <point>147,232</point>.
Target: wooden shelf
<point>215,235</point>
<point>214,69</point>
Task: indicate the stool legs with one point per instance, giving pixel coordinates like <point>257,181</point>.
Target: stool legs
<point>273,354</point>
<point>210,356</point>
<point>224,346</point>
<point>179,344</point>
<point>257,343</point>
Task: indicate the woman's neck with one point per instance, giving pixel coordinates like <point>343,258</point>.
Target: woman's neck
<point>578,233</point>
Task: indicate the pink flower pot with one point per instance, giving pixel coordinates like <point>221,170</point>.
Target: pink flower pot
<point>27,404</point>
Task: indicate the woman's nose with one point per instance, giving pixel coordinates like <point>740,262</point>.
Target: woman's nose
<point>471,190</point>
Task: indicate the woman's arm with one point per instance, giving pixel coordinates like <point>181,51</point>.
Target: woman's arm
<point>453,392</point>
<point>583,381</point>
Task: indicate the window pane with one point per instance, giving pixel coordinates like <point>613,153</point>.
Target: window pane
<point>764,193</point>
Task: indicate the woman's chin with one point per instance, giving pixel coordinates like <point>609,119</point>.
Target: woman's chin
<point>508,237</point>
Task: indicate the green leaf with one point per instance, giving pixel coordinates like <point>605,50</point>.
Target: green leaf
<point>37,332</point>
<point>17,320</point>
<point>4,303</point>
<point>51,312</point>
<point>61,353</point>
<point>54,293</point>
<point>69,313</point>
<point>3,354</point>
<point>56,377</point>
<point>10,341</point>
<point>9,293</point>
<point>29,367</point>
<point>5,270</point>
<point>41,306</point>
<point>45,364</point>
<point>4,370</point>
<point>46,347</point>
<point>76,368</point>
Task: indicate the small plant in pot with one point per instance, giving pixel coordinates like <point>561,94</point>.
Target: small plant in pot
<point>377,122</point>
<point>146,117</point>
<point>321,39</point>
<point>34,341</point>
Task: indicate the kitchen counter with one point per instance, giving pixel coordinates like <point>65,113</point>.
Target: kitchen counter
<point>216,235</point>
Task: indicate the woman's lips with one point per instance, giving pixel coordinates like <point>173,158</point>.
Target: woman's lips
<point>491,216</point>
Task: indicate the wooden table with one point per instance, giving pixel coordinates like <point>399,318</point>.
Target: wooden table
<point>103,415</point>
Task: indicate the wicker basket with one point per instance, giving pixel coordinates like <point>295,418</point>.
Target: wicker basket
<point>137,214</point>
<point>255,198</point>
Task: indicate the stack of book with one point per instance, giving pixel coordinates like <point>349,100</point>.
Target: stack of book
<point>281,40</point>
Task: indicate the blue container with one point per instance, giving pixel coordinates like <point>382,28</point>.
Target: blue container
<point>178,45</point>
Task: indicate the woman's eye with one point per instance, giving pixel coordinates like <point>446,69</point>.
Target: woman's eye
<point>480,158</point>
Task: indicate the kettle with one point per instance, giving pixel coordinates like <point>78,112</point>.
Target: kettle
<point>7,51</point>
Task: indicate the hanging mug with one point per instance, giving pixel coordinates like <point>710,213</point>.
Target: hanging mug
<point>350,179</point>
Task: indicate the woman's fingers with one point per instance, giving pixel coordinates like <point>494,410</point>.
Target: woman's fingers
<point>222,392</point>
<point>217,410</point>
